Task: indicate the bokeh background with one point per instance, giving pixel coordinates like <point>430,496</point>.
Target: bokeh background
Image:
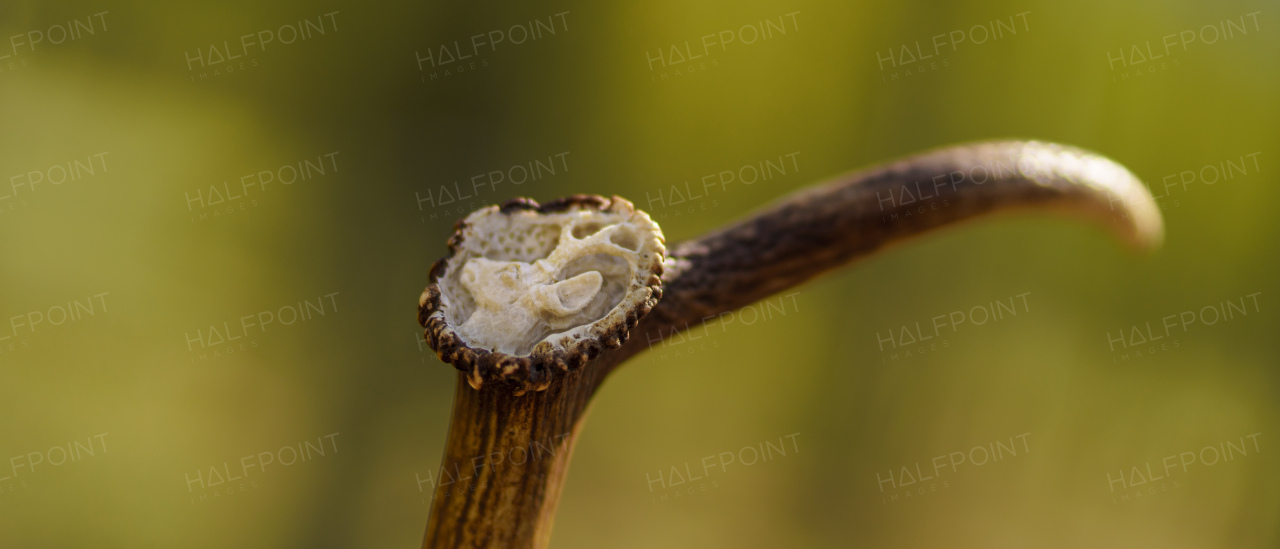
<point>165,417</point>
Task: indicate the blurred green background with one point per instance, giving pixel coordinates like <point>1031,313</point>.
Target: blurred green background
<point>159,411</point>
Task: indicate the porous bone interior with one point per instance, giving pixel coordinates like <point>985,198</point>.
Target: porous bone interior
<point>527,276</point>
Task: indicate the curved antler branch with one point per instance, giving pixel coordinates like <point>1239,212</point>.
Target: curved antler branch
<point>499,502</point>
<point>859,213</point>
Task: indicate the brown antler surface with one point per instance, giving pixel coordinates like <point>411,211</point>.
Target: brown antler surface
<point>507,454</point>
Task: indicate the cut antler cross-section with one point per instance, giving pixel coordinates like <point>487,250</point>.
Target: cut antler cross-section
<point>530,290</point>
<point>537,304</point>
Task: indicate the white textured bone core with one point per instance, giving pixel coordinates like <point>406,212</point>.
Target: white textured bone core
<point>527,277</point>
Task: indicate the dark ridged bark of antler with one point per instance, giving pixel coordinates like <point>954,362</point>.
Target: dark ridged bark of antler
<point>805,234</point>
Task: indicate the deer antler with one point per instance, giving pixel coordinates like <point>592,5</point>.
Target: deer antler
<point>530,404</point>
